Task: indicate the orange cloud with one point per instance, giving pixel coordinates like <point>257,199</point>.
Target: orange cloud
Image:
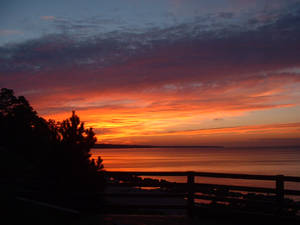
<point>274,134</point>
<point>176,110</point>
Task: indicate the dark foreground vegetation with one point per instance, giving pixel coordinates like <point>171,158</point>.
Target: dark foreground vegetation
<point>44,160</point>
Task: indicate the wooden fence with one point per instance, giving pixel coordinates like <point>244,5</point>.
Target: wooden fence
<point>192,190</point>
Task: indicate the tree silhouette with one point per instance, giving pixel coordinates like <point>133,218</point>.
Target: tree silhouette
<point>77,138</point>
<point>55,155</point>
<point>75,142</point>
<point>22,131</point>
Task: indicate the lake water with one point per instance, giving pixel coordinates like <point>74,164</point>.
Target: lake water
<point>268,161</point>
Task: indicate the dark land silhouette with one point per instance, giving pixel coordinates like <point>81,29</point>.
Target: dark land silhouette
<point>47,161</point>
<point>154,146</point>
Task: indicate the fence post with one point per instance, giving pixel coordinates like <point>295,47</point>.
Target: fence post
<point>190,200</point>
<point>280,192</point>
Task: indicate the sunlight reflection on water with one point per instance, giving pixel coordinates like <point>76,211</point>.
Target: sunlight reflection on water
<point>225,160</point>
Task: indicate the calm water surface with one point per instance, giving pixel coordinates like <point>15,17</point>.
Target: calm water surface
<point>269,161</point>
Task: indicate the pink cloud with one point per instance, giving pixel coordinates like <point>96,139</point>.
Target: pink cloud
<point>10,32</point>
<point>48,17</point>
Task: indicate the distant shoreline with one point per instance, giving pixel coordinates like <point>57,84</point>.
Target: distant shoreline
<point>154,146</point>
<point>190,146</point>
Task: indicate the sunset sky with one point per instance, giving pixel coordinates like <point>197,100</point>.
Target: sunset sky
<point>163,72</point>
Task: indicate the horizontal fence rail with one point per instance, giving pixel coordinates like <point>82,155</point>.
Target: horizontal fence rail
<point>205,174</point>
<point>192,189</point>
